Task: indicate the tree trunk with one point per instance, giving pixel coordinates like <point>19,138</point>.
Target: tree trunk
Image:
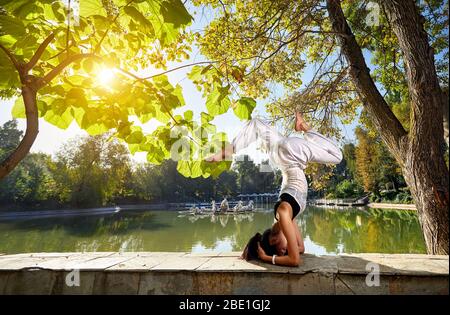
<point>30,85</point>
<point>431,199</point>
<point>425,170</point>
<point>420,154</point>
<point>29,99</point>
<point>445,110</point>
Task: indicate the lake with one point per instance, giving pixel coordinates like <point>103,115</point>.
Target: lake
<point>325,230</point>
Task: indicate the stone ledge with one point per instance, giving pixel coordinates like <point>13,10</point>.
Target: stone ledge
<point>219,273</point>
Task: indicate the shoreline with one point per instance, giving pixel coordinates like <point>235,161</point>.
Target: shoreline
<point>395,206</point>
<point>29,214</point>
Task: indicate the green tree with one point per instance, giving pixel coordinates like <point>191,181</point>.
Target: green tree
<point>226,185</point>
<point>92,169</point>
<point>10,137</point>
<point>366,161</point>
<point>251,179</point>
<point>60,63</point>
<point>349,158</point>
<point>31,182</point>
<point>347,189</point>
<point>339,181</point>
<point>144,183</point>
<point>376,168</point>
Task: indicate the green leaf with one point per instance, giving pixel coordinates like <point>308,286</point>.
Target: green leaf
<point>220,136</point>
<point>18,110</point>
<point>178,92</point>
<point>7,41</point>
<point>12,26</point>
<point>191,169</point>
<point>218,101</point>
<point>61,121</point>
<point>78,113</point>
<point>188,115</point>
<point>206,125</point>
<point>12,5</point>
<point>195,74</point>
<point>180,149</point>
<point>205,117</point>
<point>91,7</point>
<point>145,25</point>
<point>244,108</point>
<point>206,69</point>
<point>101,23</point>
<point>92,121</point>
<point>175,12</point>
<point>96,129</point>
<point>42,107</point>
<point>162,115</point>
<point>162,82</point>
<point>88,65</point>
<point>155,156</point>
<point>133,147</point>
<point>135,137</point>
<point>165,32</point>
<point>58,10</point>
<point>29,10</point>
<point>76,97</point>
<point>77,80</point>
<point>219,168</point>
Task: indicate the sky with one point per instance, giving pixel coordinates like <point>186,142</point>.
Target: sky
<point>50,137</point>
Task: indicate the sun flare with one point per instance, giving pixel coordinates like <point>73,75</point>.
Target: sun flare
<point>105,76</point>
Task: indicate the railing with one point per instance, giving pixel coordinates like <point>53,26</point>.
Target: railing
<point>341,202</point>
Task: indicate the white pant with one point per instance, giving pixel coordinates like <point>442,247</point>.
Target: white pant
<point>290,154</point>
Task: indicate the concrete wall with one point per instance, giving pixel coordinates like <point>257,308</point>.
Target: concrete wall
<point>221,273</point>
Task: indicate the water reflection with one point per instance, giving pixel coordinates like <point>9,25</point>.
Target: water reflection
<point>368,230</point>
<point>219,218</point>
<point>324,230</point>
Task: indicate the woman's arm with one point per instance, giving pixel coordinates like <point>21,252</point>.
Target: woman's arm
<point>288,229</point>
<point>300,243</point>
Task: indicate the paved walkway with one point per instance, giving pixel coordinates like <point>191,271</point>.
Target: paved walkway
<point>220,273</point>
<point>400,206</point>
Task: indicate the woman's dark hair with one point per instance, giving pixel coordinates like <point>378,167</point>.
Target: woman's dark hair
<point>251,250</point>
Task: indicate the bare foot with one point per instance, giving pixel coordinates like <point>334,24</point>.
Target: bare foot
<point>221,155</point>
<point>300,123</point>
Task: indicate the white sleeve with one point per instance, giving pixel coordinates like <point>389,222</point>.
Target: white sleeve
<point>321,149</point>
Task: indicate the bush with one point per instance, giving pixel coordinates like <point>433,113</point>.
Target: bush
<point>388,195</point>
<point>374,198</point>
<point>403,197</point>
<point>331,195</point>
<point>347,189</point>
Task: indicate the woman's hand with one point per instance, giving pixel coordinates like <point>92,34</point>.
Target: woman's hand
<point>222,155</point>
<point>261,253</point>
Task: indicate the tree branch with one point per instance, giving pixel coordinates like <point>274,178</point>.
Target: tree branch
<point>68,26</point>
<point>178,68</point>
<point>12,58</point>
<point>59,68</point>
<point>423,83</point>
<point>99,44</point>
<point>389,127</point>
<point>39,52</point>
